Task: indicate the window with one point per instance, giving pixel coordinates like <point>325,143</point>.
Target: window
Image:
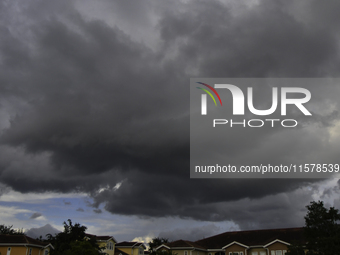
<point>209,253</point>
<point>185,252</point>
<point>46,252</point>
<point>109,246</point>
<point>257,253</point>
<point>30,251</point>
<point>141,251</point>
<point>9,251</point>
<point>278,252</point>
<point>236,253</point>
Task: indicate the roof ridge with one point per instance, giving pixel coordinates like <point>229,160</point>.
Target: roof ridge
<point>245,231</point>
<point>186,242</point>
<point>23,239</point>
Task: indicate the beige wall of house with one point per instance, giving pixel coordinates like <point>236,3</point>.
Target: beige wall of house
<point>105,245</point>
<point>257,251</point>
<point>131,251</point>
<point>198,252</point>
<point>277,249</point>
<point>189,251</point>
<point>194,252</point>
<point>127,250</point>
<point>163,249</point>
<point>20,250</point>
<point>182,252</point>
<point>235,248</point>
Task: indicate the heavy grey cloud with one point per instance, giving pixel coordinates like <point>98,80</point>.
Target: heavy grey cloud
<point>191,234</point>
<point>87,105</point>
<point>35,215</point>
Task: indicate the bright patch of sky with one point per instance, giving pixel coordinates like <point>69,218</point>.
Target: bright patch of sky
<point>32,210</point>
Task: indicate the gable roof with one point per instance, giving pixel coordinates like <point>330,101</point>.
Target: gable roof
<point>181,244</point>
<point>22,240</point>
<point>101,238</point>
<point>120,252</point>
<point>253,238</point>
<point>130,244</point>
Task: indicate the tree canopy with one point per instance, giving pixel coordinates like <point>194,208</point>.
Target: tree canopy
<point>157,241</point>
<point>72,241</point>
<point>8,230</point>
<point>322,231</point>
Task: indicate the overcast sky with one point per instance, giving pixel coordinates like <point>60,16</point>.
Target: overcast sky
<point>94,111</point>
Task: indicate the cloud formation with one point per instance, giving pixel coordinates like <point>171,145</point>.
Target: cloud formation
<point>35,215</point>
<point>89,104</point>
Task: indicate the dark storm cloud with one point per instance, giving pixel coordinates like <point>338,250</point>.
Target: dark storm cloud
<point>192,234</point>
<point>35,215</point>
<point>80,210</point>
<point>98,108</point>
<point>266,40</point>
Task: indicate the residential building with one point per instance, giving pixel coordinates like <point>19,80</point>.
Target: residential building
<point>131,248</point>
<point>253,242</point>
<point>120,252</point>
<point>182,247</point>
<point>23,245</point>
<point>106,242</point>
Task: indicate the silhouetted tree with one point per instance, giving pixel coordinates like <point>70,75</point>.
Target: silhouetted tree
<point>8,230</point>
<point>157,241</point>
<point>322,231</point>
<point>72,241</point>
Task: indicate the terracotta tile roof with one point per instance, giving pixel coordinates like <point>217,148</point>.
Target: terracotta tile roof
<point>129,244</point>
<point>253,237</point>
<point>104,237</point>
<point>184,244</point>
<point>126,244</point>
<point>20,239</point>
<point>101,238</point>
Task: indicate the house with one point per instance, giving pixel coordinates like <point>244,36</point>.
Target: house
<point>23,245</point>
<point>131,248</point>
<point>182,247</point>
<point>253,242</point>
<point>106,242</point>
<point>120,252</point>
